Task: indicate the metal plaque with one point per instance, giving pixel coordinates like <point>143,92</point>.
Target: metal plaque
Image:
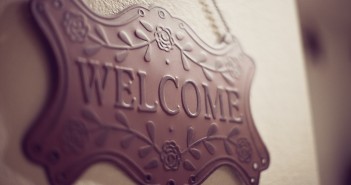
<point>142,91</point>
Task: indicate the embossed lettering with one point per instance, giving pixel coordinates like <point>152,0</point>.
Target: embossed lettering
<point>91,79</point>
<point>94,75</point>
<point>162,96</point>
<point>143,106</point>
<point>233,99</point>
<point>184,102</point>
<point>124,87</point>
<point>143,92</point>
<point>210,106</point>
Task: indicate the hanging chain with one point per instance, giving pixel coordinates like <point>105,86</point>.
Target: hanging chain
<point>210,17</point>
<point>221,16</point>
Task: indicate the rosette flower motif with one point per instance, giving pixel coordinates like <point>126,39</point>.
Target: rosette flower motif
<point>170,155</point>
<point>164,38</point>
<point>233,67</point>
<point>74,136</point>
<point>244,150</point>
<point>75,27</point>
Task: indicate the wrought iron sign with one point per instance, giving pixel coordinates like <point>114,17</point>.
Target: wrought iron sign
<point>142,91</point>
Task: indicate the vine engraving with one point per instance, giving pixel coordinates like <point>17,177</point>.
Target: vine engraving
<point>143,91</point>
<point>170,154</point>
<point>77,30</point>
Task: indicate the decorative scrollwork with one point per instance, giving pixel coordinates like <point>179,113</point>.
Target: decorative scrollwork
<point>152,147</point>
<point>77,30</point>
<point>170,154</point>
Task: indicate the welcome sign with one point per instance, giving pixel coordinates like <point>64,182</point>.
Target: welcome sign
<point>142,91</point>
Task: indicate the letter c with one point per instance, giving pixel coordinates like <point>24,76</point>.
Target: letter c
<point>161,93</point>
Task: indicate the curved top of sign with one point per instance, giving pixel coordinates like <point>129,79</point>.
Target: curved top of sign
<point>142,91</point>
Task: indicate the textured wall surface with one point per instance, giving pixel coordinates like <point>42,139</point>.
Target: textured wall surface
<point>268,31</point>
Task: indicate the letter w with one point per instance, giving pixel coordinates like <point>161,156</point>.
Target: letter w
<point>91,79</point>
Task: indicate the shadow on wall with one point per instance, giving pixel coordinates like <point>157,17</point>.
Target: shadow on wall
<point>23,64</point>
<point>347,175</point>
<point>326,28</point>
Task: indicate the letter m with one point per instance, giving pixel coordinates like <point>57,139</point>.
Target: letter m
<point>211,107</point>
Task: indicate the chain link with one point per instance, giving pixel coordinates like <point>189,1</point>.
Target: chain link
<point>209,15</point>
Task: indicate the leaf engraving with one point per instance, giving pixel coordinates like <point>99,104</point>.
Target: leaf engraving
<point>144,151</point>
<point>208,74</point>
<point>101,33</point>
<point>188,47</point>
<point>121,56</point>
<point>212,130</point>
<point>150,127</point>
<point>210,147</point>
<point>125,38</point>
<point>151,164</point>
<point>91,49</point>
<point>231,139</point>
<point>90,115</point>
<point>185,62</point>
<point>147,56</point>
<point>188,165</point>
<point>121,118</point>
<point>234,132</point>
<point>101,138</point>
<point>141,35</point>
<point>202,58</point>
<point>180,35</point>
<point>127,140</point>
<point>227,77</point>
<point>147,25</point>
<point>228,38</point>
<point>195,153</point>
<point>227,147</point>
<point>219,64</point>
<point>190,135</point>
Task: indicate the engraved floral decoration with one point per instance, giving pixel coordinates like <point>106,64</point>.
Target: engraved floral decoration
<point>144,36</point>
<point>164,38</point>
<point>74,136</point>
<point>233,67</point>
<point>89,130</point>
<point>75,27</point>
<point>170,155</point>
<point>244,150</point>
